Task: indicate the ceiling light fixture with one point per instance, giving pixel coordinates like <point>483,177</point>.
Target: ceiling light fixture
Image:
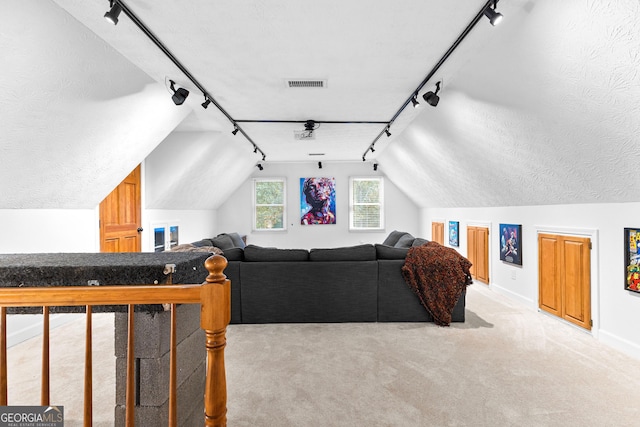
<point>179,95</point>
<point>494,17</point>
<point>375,166</point>
<point>415,102</point>
<point>387,132</point>
<point>431,97</point>
<point>113,13</point>
<point>259,166</point>
<point>264,157</point>
<point>373,150</point>
<point>319,165</point>
<point>255,149</point>
<point>206,103</point>
<point>235,131</point>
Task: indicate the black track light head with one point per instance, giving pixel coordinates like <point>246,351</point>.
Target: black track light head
<point>255,149</point>
<point>259,166</point>
<point>206,103</point>
<point>364,159</point>
<point>494,17</point>
<point>387,132</point>
<point>179,95</point>
<point>432,98</point>
<point>375,166</point>
<point>415,102</point>
<point>113,13</point>
<point>373,150</point>
<point>264,157</point>
<point>319,165</point>
<point>235,130</point>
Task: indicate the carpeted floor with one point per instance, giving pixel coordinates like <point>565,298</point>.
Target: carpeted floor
<point>506,366</point>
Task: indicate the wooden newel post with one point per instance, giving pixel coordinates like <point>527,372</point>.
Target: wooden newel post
<point>215,315</point>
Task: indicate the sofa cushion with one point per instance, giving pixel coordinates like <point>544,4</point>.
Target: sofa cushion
<point>223,241</point>
<point>393,237</point>
<point>405,241</point>
<point>203,242</point>
<point>419,241</point>
<point>365,252</point>
<point>233,254</point>
<point>390,252</point>
<point>255,253</point>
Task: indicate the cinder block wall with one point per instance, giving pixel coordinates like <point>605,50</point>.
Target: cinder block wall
<point>152,341</point>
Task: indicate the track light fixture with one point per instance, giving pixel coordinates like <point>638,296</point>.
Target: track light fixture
<point>235,131</point>
<point>179,95</point>
<point>255,149</point>
<point>206,103</point>
<point>319,165</point>
<point>259,166</point>
<point>373,150</point>
<point>387,132</point>
<point>264,157</point>
<point>431,97</point>
<point>113,13</point>
<point>494,17</point>
<point>375,166</point>
<point>415,102</point>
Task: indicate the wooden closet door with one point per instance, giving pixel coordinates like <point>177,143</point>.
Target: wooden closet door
<point>478,252</point>
<point>437,232</point>
<point>564,277</point>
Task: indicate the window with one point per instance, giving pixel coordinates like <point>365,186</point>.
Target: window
<point>269,197</point>
<point>366,204</point>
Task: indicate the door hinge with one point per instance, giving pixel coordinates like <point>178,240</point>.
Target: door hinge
<point>591,322</point>
<point>590,245</point>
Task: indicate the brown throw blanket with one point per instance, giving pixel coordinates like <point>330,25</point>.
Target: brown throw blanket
<point>438,275</point>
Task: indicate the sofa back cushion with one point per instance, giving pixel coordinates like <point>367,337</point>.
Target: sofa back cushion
<point>393,237</point>
<point>253,253</point>
<point>364,252</point>
<point>390,252</point>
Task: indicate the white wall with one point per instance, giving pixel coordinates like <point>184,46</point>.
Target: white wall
<point>49,230</point>
<point>235,215</point>
<point>615,311</point>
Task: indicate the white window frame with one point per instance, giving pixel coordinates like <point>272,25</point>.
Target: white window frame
<point>284,204</point>
<point>352,203</point>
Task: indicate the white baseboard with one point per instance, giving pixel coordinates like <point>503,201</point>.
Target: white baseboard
<point>512,295</point>
<point>621,344</point>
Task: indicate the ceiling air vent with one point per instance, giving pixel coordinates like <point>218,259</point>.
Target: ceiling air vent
<point>306,83</point>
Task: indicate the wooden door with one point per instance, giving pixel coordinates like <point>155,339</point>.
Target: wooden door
<point>120,217</point>
<point>437,232</point>
<point>564,264</point>
<point>478,252</point>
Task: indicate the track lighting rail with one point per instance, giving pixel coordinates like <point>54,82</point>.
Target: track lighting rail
<point>134,18</point>
<point>434,70</point>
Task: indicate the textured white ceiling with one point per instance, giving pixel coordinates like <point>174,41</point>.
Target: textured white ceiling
<point>542,109</point>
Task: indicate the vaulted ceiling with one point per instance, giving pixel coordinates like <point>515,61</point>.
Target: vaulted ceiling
<point>542,109</point>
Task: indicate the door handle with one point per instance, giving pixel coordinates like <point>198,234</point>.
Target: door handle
<point>140,229</point>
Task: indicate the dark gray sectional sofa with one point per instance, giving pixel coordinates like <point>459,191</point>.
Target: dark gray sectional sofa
<point>360,283</point>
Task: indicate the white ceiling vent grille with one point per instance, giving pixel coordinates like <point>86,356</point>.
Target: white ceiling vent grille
<point>306,83</point>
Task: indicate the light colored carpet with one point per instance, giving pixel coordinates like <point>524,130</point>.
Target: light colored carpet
<point>506,366</point>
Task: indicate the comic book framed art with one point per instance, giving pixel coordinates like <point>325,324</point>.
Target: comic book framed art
<point>632,259</point>
<point>511,243</point>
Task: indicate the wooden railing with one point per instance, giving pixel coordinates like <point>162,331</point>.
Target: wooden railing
<point>213,295</point>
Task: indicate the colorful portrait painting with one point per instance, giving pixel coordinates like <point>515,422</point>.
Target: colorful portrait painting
<point>317,201</point>
<point>632,259</point>
<point>510,244</point>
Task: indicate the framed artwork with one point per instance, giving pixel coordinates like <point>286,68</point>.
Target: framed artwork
<point>317,201</point>
<point>453,233</point>
<point>632,259</point>
<point>510,243</point>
